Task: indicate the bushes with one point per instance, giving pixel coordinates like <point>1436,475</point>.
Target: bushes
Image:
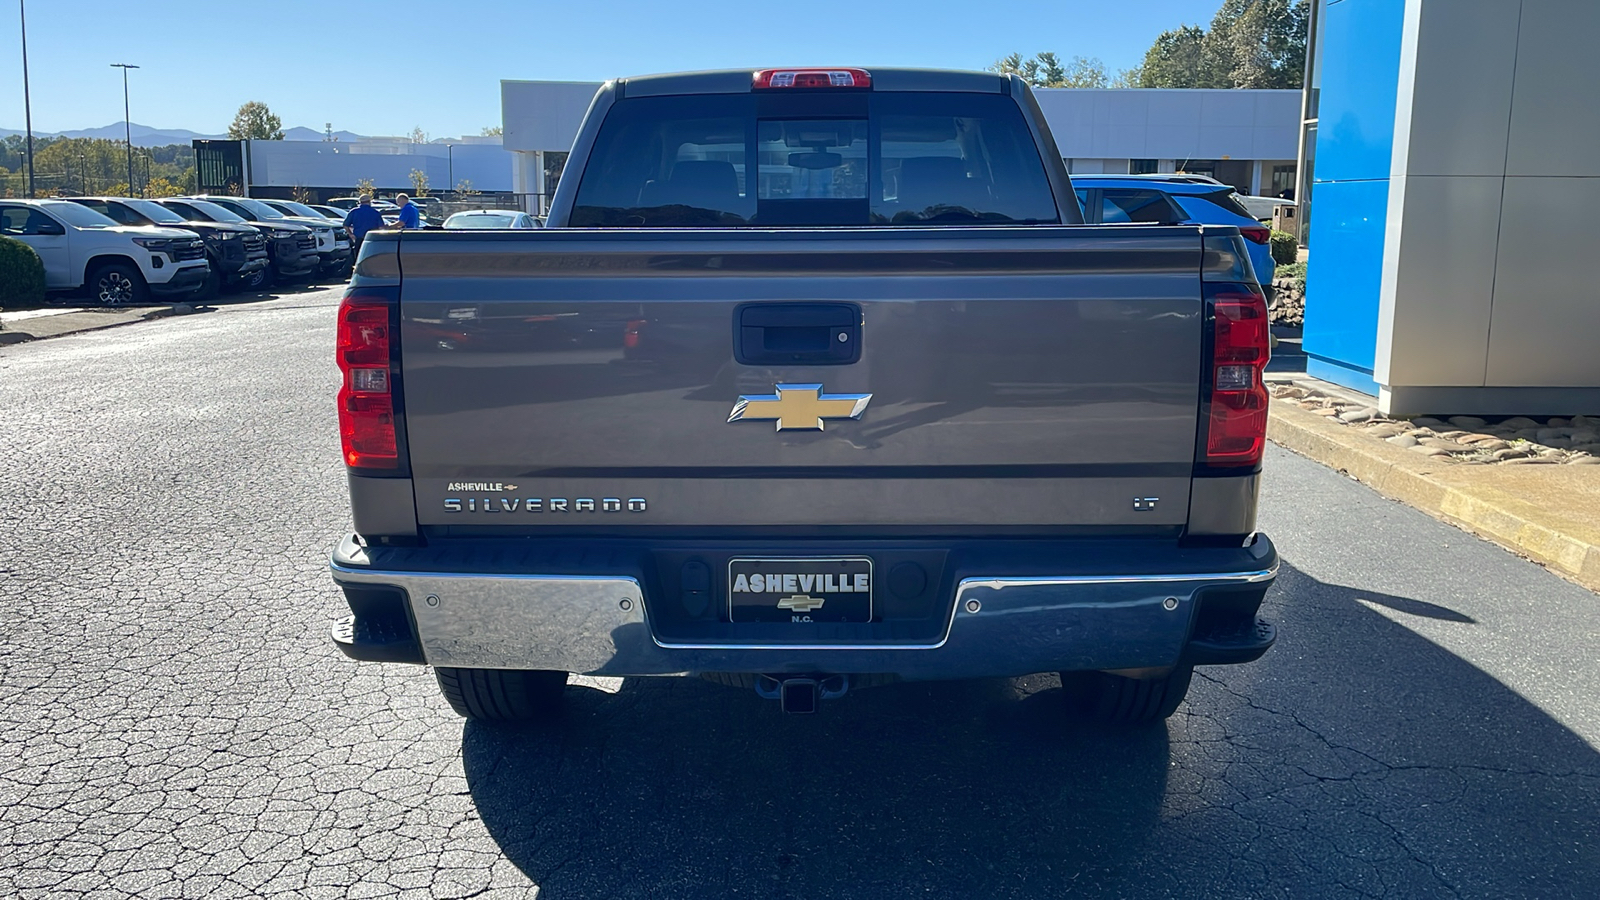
<point>1285,248</point>
<point>1292,270</point>
<point>21,274</point>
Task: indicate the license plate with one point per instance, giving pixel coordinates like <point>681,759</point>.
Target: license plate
<point>804,589</point>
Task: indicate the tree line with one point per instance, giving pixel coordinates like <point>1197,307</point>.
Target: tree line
<point>67,166</point>
<point>1250,44</point>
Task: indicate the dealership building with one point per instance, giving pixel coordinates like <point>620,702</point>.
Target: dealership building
<point>1452,215</point>
<point>1248,139</point>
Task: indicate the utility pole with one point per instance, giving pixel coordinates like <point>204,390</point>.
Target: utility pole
<point>450,154</point>
<point>126,123</point>
<point>27,101</point>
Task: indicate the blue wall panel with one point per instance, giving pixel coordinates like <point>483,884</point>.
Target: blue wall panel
<point>1360,76</point>
<point>1345,273</point>
<point>1360,71</point>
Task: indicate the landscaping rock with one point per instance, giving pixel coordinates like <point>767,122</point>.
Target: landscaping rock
<point>1529,461</point>
<point>1585,436</point>
<point>1490,446</point>
<point>1385,429</point>
<point>1426,422</point>
<point>1584,461</point>
<point>1329,411</point>
<point>1519,422</point>
<point>1468,422</point>
<point>1429,451</point>
<point>1559,422</point>
<point>1355,416</point>
<point>1546,435</point>
<point>1476,438</point>
<point>1512,453</point>
<point>1403,440</point>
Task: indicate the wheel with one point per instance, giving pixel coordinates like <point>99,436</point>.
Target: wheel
<point>1116,700</point>
<point>259,280</point>
<point>502,695</point>
<point>118,284</point>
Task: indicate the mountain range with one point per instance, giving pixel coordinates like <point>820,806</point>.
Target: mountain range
<point>145,136</point>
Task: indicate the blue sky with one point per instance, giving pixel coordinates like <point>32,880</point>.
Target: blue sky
<point>384,66</point>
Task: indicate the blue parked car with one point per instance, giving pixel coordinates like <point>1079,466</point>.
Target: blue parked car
<point>1175,200</point>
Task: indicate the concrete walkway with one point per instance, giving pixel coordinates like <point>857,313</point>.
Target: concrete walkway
<point>34,324</point>
<point>1550,514</point>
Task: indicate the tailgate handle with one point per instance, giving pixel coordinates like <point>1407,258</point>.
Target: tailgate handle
<point>797,334</point>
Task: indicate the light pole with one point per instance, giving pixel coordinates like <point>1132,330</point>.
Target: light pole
<point>450,159</point>
<point>27,102</point>
<point>127,125</point>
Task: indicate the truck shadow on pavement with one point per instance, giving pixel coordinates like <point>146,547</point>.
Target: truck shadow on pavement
<point>1356,757</point>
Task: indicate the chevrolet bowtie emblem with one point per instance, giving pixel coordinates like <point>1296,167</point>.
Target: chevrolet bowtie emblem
<point>799,406</point>
<point>801,602</point>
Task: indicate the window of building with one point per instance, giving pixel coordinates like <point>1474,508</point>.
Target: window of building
<point>1143,166</point>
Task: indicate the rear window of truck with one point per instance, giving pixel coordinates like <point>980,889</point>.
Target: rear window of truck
<point>729,160</point>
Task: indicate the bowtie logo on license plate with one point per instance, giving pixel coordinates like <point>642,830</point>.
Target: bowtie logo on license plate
<point>799,407</point>
<point>801,602</point>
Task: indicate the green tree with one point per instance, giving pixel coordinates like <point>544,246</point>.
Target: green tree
<point>464,188</point>
<point>419,183</point>
<point>418,136</point>
<point>365,186</point>
<point>492,131</point>
<point>254,122</point>
<point>1177,60</point>
<point>1258,43</point>
<point>1047,70</point>
<point>1251,44</point>
<point>1084,72</point>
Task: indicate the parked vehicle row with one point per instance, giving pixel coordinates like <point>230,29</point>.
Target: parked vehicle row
<point>330,241</point>
<point>117,264</point>
<point>124,250</point>
<point>291,248</point>
<point>236,252</point>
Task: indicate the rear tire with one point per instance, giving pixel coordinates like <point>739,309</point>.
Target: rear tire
<point>1115,700</point>
<point>502,695</point>
<point>118,284</point>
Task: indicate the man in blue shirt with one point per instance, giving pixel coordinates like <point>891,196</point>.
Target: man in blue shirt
<point>409,216</point>
<point>360,220</point>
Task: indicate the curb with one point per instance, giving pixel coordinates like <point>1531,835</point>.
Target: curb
<point>1398,474</point>
<point>20,333</point>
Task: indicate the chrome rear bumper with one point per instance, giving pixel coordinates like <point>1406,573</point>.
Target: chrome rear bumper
<point>600,625</point>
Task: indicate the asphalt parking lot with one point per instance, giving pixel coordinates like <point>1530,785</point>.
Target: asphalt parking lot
<point>174,722</point>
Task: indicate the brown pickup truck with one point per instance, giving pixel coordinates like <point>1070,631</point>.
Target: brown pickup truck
<point>816,380</point>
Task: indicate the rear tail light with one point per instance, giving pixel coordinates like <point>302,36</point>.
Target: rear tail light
<point>630,334</point>
<point>1256,235</point>
<point>366,403</point>
<point>767,79</point>
<point>1236,409</point>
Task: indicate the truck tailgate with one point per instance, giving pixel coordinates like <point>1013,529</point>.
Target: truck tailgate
<point>1006,376</point>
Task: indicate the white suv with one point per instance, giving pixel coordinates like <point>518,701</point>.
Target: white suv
<point>119,264</point>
